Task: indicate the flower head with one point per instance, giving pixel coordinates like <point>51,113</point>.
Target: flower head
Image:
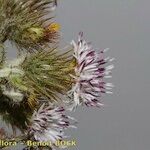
<point>54,27</point>
<point>23,23</point>
<point>47,124</point>
<point>90,72</point>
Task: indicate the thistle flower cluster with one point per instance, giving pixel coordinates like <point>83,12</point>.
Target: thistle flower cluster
<point>33,86</point>
<point>90,72</point>
<point>48,124</point>
<point>87,88</point>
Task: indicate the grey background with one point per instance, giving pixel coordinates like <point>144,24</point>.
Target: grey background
<point>124,27</point>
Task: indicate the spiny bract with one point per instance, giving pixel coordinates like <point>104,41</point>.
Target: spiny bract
<point>24,23</point>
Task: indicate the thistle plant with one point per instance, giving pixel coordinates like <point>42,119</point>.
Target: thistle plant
<point>42,83</point>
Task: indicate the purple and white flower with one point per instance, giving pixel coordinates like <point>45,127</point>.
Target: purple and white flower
<point>48,123</point>
<point>90,72</point>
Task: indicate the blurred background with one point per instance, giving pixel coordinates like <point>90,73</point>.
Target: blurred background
<point>124,27</point>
